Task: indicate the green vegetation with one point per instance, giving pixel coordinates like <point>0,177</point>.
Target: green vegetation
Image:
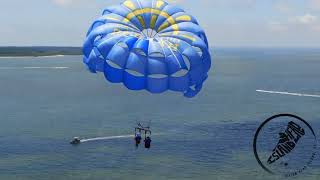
<point>39,51</point>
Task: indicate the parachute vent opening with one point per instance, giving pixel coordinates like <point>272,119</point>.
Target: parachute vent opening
<point>100,56</point>
<point>114,65</point>
<point>186,61</point>
<point>157,55</point>
<point>97,38</point>
<point>139,52</point>
<point>193,87</point>
<point>199,51</point>
<point>98,53</point>
<point>180,73</point>
<point>134,73</point>
<point>123,45</point>
<point>158,76</point>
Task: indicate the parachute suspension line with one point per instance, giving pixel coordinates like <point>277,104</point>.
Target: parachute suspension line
<point>164,53</point>
<point>154,33</point>
<point>146,125</point>
<point>139,124</point>
<point>165,41</point>
<point>165,56</point>
<point>150,33</point>
<point>144,34</point>
<point>178,51</point>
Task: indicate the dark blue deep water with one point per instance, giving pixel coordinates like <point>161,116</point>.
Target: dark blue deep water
<point>207,137</point>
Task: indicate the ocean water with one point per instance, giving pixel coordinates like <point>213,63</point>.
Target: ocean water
<point>44,102</point>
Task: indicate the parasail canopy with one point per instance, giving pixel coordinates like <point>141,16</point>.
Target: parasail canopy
<point>149,45</point>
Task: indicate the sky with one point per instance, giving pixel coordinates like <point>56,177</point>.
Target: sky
<point>227,23</point>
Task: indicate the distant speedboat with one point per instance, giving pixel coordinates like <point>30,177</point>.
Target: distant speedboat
<point>75,141</point>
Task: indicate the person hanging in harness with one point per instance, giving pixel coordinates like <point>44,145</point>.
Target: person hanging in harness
<point>137,138</point>
<point>147,142</point>
<point>147,133</point>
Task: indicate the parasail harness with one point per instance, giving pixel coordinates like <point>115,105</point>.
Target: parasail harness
<point>142,129</point>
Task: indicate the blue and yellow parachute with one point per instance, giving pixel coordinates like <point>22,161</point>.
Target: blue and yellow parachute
<point>151,45</point>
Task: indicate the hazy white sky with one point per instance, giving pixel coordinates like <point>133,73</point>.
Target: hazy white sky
<point>226,22</point>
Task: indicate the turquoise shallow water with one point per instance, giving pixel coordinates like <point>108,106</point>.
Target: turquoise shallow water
<point>207,137</point>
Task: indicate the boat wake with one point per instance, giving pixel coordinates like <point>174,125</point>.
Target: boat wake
<point>106,138</point>
<point>112,137</point>
<point>289,93</point>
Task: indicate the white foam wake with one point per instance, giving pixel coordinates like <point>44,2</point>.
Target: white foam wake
<point>106,138</point>
<point>56,67</point>
<point>289,93</point>
<point>112,137</point>
<point>59,55</point>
